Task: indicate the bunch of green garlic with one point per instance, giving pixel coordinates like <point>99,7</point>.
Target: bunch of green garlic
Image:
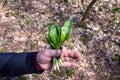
<point>56,37</point>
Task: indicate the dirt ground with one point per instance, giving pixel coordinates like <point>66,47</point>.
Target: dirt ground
<point>23,27</point>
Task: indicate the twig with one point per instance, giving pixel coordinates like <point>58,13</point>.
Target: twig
<point>87,10</point>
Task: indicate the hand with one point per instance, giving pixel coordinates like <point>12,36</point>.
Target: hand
<point>45,57</point>
<point>69,56</point>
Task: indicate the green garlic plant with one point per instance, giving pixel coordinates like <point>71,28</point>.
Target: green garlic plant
<point>56,37</point>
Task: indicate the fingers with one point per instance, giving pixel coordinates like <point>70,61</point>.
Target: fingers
<point>47,66</point>
<point>74,55</point>
<point>69,53</point>
<point>67,59</point>
<point>64,52</point>
<point>69,64</point>
<point>52,53</point>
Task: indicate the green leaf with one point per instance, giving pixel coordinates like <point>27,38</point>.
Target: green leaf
<point>50,42</point>
<point>116,9</point>
<point>58,30</point>
<point>28,21</point>
<point>66,31</point>
<point>70,71</point>
<point>56,37</point>
<point>54,76</point>
<point>59,34</point>
<point>32,44</point>
<point>53,35</point>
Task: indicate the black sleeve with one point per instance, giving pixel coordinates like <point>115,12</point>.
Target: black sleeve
<point>14,64</point>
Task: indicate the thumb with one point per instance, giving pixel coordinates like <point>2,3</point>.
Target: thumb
<point>64,51</point>
<point>52,53</point>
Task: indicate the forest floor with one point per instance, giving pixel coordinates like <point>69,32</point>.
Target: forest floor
<point>24,28</point>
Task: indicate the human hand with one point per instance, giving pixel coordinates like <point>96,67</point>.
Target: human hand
<point>45,57</point>
<point>68,56</point>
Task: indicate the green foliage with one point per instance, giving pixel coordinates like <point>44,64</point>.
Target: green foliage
<point>116,9</point>
<point>54,34</point>
<point>54,76</point>
<point>57,35</point>
<point>70,72</point>
<point>28,21</point>
<point>56,38</point>
<point>66,31</point>
<point>32,44</point>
